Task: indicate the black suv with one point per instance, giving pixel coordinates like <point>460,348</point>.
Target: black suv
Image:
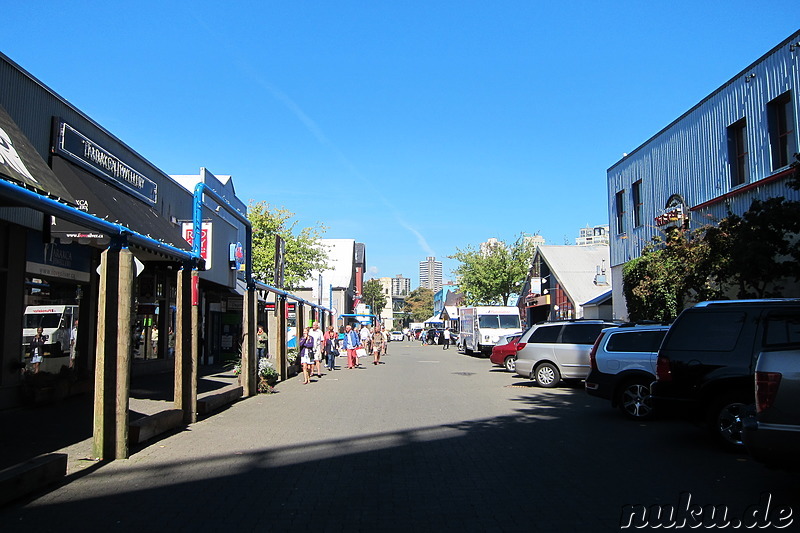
<point>707,359</point>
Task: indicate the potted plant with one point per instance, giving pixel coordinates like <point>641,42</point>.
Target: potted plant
<point>266,373</point>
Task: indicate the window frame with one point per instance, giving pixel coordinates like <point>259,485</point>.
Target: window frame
<point>636,193</point>
<point>782,130</point>
<point>619,206</point>
<point>738,153</point>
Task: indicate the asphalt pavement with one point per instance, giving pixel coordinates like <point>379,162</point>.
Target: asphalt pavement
<point>432,440</point>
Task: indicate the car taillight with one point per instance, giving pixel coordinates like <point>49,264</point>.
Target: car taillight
<point>663,373</point>
<point>767,384</point>
<point>593,351</point>
<point>520,345</point>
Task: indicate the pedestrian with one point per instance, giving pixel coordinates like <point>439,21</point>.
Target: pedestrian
<point>319,340</point>
<point>171,343</point>
<point>378,344</point>
<point>351,343</point>
<point>73,347</point>
<point>446,339</point>
<point>37,349</point>
<point>331,348</point>
<point>306,347</point>
<point>365,337</point>
<point>154,341</point>
<point>261,342</point>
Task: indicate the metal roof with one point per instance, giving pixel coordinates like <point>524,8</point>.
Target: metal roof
<point>575,268</point>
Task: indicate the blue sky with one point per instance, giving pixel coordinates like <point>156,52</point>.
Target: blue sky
<point>414,127</point>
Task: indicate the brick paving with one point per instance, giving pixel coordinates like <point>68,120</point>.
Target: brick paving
<point>431,440</point>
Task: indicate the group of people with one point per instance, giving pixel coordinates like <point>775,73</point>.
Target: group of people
<point>315,346</point>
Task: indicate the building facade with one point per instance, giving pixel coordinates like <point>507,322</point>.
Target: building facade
<point>734,146</point>
<point>592,235</point>
<point>430,274</point>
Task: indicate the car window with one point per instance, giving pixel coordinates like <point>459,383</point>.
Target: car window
<point>707,331</point>
<point>581,333</point>
<point>509,321</point>
<point>782,328</point>
<point>545,334</point>
<point>635,341</point>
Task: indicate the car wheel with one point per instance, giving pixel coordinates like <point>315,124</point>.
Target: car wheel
<point>725,420</point>
<point>510,363</point>
<point>547,375</point>
<point>635,401</point>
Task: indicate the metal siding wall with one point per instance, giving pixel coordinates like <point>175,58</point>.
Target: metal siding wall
<point>690,157</point>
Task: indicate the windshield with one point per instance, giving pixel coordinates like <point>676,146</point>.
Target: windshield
<point>498,321</point>
<point>46,321</point>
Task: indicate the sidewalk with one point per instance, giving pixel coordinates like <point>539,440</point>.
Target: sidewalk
<point>66,426</point>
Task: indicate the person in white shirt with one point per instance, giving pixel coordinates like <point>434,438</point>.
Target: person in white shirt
<point>366,338</point>
<point>319,340</point>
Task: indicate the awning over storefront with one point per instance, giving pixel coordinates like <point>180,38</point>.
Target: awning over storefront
<point>22,164</point>
<point>434,320</point>
<point>98,198</point>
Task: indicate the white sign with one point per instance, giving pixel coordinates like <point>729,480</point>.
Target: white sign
<point>205,240</point>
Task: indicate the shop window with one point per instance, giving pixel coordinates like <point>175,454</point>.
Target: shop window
<point>619,202</point>
<point>737,153</point>
<point>637,203</point>
<point>781,130</point>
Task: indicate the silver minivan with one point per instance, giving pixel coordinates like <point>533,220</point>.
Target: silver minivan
<point>552,351</point>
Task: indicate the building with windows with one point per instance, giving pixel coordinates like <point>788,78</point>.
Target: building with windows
<point>593,235</point>
<point>430,274</point>
<point>734,146</point>
<point>400,286</point>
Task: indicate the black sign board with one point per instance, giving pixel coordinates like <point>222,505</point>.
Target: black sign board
<point>76,146</point>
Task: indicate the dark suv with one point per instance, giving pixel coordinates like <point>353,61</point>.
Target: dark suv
<point>707,359</point>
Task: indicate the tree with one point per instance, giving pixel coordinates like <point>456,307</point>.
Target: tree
<point>490,276</point>
<point>419,305</point>
<point>303,253</point>
<point>374,297</point>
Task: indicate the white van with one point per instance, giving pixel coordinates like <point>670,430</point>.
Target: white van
<point>56,323</point>
<point>480,327</point>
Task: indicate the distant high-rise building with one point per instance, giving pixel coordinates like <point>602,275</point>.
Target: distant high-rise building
<point>534,240</point>
<point>400,286</point>
<point>593,235</point>
<point>430,274</point>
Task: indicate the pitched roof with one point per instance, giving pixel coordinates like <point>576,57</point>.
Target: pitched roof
<point>575,268</point>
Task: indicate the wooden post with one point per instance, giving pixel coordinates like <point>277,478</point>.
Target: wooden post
<point>123,388</point>
<point>278,337</point>
<point>249,359</point>
<point>191,408</point>
<point>106,368</point>
<point>183,342</point>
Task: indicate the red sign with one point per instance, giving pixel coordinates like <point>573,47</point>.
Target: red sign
<point>205,240</point>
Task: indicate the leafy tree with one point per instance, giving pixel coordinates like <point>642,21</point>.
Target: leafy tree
<point>374,297</point>
<point>492,275</point>
<point>419,305</point>
<point>303,253</point>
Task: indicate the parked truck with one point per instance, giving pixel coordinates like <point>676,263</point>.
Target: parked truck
<point>481,326</point>
<point>56,323</point>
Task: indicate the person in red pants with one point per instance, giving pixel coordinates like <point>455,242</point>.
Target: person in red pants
<point>351,343</point>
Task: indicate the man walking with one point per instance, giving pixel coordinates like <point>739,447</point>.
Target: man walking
<point>350,343</point>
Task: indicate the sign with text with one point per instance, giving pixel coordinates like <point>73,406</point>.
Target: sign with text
<point>205,240</point>
<point>76,146</point>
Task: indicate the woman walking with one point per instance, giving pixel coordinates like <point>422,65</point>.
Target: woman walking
<point>350,343</point>
<point>378,344</point>
<point>331,348</point>
<point>37,349</point>
<point>306,346</point>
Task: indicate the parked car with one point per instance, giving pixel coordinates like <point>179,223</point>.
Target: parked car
<point>505,354</point>
<point>551,351</point>
<point>623,365</point>
<point>396,336</point>
<point>707,360</point>
<point>772,434</point>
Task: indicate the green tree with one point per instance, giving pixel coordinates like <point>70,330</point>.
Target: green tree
<point>419,305</point>
<point>492,275</point>
<point>374,297</point>
<point>303,253</point>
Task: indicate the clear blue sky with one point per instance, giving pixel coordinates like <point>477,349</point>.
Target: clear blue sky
<point>415,127</point>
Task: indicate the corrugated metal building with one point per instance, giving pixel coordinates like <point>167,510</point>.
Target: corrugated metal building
<point>734,146</point>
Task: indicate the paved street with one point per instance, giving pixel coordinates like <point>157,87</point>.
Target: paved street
<point>431,440</point>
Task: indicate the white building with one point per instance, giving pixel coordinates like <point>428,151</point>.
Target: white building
<point>593,235</point>
<point>430,274</point>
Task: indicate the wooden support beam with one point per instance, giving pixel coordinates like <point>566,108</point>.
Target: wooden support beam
<point>127,273</point>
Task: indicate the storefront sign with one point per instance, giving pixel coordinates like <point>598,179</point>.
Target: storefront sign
<point>236,255</point>
<point>52,260</point>
<point>205,240</point>
<point>79,148</point>
<point>674,212</point>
